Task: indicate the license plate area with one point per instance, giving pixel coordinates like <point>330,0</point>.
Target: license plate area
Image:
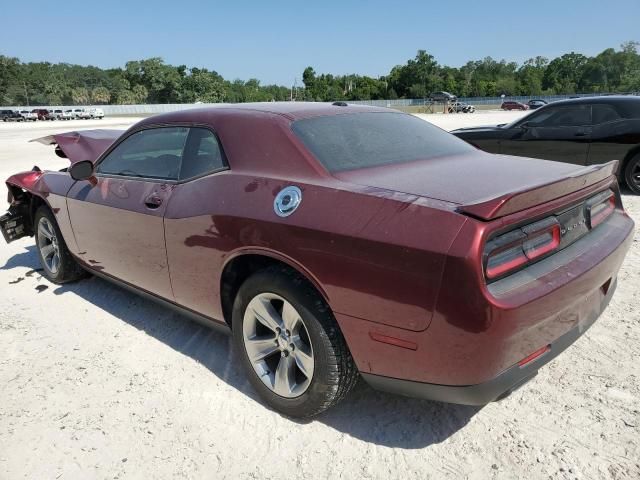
<point>573,225</point>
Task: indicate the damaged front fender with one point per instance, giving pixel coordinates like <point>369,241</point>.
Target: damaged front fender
<point>17,222</point>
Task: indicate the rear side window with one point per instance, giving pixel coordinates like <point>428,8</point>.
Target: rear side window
<point>360,140</point>
<point>202,154</point>
<point>630,107</point>
<point>604,113</point>
<point>153,153</point>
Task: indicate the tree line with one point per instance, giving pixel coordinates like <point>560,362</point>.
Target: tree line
<point>153,81</point>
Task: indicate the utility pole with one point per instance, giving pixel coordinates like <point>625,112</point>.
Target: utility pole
<point>26,93</point>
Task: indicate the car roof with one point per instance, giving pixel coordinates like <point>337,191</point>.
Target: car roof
<point>290,110</point>
<point>603,99</point>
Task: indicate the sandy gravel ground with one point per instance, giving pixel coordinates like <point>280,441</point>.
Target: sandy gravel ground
<point>99,383</point>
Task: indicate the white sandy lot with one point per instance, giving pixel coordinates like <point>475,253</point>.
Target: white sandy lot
<point>100,383</point>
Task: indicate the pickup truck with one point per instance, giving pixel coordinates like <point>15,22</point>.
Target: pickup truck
<point>29,116</point>
<point>81,113</point>
<point>96,113</point>
<point>54,115</point>
<point>10,116</point>
<point>68,115</point>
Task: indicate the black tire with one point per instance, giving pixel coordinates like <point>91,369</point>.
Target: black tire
<point>632,174</point>
<point>335,373</point>
<point>68,269</point>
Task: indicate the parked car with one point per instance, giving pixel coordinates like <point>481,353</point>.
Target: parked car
<point>442,97</point>
<point>533,104</point>
<point>29,116</point>
<point>11,116</point>
<point>315,245</point>
<point>583,131</point>
<point>461,107</point>
<point>96,113</point>
<point>68,115</point>
<point>41,113</point>
<point>54,115</point>
<point>511,105</point>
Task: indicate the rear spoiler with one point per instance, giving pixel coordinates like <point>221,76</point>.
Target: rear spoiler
<point>82,145</point>
<point>517,201</point>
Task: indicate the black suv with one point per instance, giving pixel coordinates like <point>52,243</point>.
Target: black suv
<point>10,116</point>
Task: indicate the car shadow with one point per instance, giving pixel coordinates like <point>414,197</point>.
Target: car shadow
<point>366,414</point>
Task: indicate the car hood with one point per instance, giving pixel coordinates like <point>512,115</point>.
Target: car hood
<point>482,183</point>
<point>486,128</point>
<point>82,145</point>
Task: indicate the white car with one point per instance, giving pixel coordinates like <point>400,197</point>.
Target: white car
<point>29,116</point>
<point>80,113</point>
<point>96,113</point>
<point>68,115</point>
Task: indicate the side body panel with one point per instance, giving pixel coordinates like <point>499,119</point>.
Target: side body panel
<point>374,257</point>
<point>613,141</point>
<point>118,234</point>
<point>563,144</point>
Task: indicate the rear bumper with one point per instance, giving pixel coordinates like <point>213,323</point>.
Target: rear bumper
<point>495,389</point>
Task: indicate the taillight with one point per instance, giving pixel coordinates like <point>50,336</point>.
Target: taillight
<point>542,237</point>
<point>511,251</point>
<point>600,207</point>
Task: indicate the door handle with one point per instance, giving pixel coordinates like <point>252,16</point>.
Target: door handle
<point>153,201</point>
<point>581,134</point>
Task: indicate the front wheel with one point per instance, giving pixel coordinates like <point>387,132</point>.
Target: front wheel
<point>290,345</point>
<point>632,174</point>
<point>57,263</point>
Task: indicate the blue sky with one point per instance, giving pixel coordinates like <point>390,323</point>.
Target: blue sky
<point>274,41</point>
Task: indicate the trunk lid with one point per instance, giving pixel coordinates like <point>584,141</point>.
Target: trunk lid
<point>484,186</point>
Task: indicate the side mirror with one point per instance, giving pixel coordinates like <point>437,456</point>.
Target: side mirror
<point>525,125</point>
<point>82,170</point>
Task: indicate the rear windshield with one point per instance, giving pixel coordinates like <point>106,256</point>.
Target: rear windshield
<point>361,140</point>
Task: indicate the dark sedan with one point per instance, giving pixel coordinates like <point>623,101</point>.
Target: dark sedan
<point>583,131</point>
<point>536,103</point>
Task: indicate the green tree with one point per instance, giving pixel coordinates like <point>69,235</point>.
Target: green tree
<point>563,74</point>
<point>100,95</point>
<point>80,96</point>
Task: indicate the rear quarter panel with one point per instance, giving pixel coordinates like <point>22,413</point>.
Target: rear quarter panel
<point>375,254</point>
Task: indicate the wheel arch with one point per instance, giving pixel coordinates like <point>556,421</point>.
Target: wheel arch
<point>242,264</point>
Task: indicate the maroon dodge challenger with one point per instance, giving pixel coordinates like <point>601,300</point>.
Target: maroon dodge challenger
<point>336,242</point>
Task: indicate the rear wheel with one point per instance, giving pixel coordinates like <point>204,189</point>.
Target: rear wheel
<point>290,345</point>
<point>632,174</point>
<point>57,263</point>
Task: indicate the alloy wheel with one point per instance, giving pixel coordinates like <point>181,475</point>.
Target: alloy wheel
<point>48,245</point>
<point>277,343</point>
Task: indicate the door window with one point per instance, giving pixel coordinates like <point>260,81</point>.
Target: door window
<point>202,154</point>
<point>153,153</point>
<point>604,114</point>
<point>572,116</point>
